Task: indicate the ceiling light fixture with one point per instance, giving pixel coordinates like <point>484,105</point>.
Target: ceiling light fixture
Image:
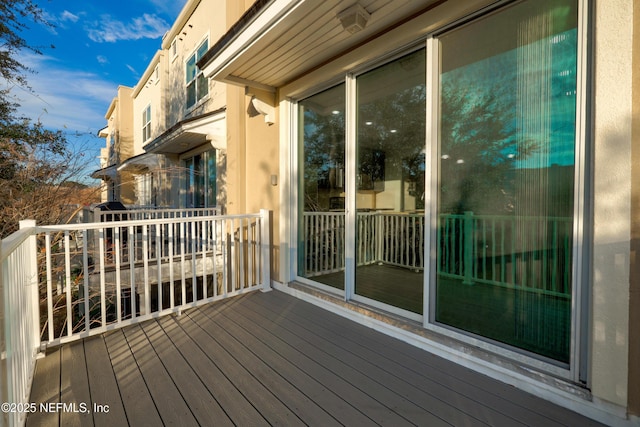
<point>354,18</point>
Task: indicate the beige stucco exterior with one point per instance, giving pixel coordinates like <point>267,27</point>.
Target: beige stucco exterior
<point>119,146</point>
<point>613,103</point>
<point>634,282</point>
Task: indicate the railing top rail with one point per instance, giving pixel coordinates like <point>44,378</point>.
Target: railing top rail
<point>13,241</point>
<point>137,222</point>
<point>152,209</point>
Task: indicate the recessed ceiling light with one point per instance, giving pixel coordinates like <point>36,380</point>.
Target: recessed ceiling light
<point>335,112</point>
<point>393,130</point>
<point>368,123</point>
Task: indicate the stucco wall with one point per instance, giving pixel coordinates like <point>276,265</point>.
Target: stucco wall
<point>150,91</point>
<point>612,109</point>
<point>207,21</point>
<point>634,312</point>
<point>262,165</point>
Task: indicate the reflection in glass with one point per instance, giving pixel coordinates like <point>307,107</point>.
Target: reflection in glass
<point>390,182</point>
<point>506,168</point>
<point>321,253</point>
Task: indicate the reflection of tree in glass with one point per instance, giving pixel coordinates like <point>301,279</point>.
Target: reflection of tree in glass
<point>478,149</point>
<point>394,125</point>
<point>323,158</point>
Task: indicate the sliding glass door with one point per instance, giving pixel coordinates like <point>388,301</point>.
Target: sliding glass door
<point>486,203</point>
<point>390,176</point>
<point>321,189</point>
<point>506,160</point>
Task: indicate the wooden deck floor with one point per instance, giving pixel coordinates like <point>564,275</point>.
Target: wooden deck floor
<point>270,359</point>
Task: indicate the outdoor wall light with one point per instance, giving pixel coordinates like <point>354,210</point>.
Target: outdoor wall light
<point>354,18</point>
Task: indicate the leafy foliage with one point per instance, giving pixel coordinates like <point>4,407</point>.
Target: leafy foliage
<point>35,162</point>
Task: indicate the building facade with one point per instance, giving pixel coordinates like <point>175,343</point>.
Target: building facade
<point>463,170</point>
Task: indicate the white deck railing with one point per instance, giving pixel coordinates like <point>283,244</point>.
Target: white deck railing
<point>94,277</point>
<point>19,321</point>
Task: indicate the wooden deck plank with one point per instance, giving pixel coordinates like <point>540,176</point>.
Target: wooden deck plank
<point>170,404</point>
<point>236,407</point>
<point>412,403</point>
<point>424,390</point>
<point>102,384</point>
<point>300,392</point>
<point>136,399</point>
<point>269,358</point>
<point>74,386</point>
<point>201,403</point>
<point>46,389</point>
<point>422,366</point>
<point>326,372</point>
<point>258,395</point>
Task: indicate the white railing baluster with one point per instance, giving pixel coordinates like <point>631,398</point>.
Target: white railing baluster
<point>103,312</point>
<point>194,251</point>
<point>183,273</point>
<point>172,302</point>
<point>118,284</point>
<point>159,239</point>
<point>145,268</point>
<point>225,258</point>
<point>132,271</point>
<point>67,284</point>
<point>85,270</point>
<point>47,239</point>
<point>203,237</point>
<point>240,254</point>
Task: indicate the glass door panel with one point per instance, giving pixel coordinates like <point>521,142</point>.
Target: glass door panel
<point>506,176</point>
<point>390,176</point>
<point>321,219</point>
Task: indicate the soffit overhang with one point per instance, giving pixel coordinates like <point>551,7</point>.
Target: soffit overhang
<point>278,41</point>
<point>141,163</point>
<point>190,133</point>
<point>106,173</point>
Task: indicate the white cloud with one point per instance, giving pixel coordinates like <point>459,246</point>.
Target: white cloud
<point>68,16</point>
<point>74,100</point>
<point>145,26</point>
<point>102,59</point>
<point>133,70</point>
<point>171,8</point>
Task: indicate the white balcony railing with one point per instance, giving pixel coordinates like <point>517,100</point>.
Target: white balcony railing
<point>19,324</point>
<point>60,283</point>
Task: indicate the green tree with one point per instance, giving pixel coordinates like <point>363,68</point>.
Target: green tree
<point>35,162</point>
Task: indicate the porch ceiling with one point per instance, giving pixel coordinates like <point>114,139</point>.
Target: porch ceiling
<point>279,41</point>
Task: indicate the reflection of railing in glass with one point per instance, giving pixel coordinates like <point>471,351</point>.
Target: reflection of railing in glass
<point>532,253</point>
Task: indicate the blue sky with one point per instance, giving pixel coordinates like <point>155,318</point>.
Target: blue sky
<point>99,45</point>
